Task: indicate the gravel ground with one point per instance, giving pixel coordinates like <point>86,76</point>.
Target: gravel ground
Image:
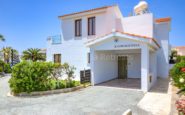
<point>96,100</point>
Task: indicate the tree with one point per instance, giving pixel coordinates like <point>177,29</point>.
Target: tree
<point>7,54</point>
<point>69,71</point>
<point>33,54</point>
<point>14,57</point>
<point>173,56</point>
<point>2,38</point>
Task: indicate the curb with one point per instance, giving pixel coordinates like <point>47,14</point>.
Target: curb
<point>50,92</point>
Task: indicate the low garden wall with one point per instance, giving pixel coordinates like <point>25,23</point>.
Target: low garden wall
<point>50,92</point>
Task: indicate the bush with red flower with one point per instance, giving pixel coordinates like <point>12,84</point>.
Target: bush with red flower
<point>180,104</point>
<point>178,75</point>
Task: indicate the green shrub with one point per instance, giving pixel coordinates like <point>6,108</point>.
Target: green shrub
<point>7,68</point>
<point>52,84</point>
<point>30,76</point>
<point>180,59</point>
<point>1,69</point>
<point>2,66</point>
<point>37,76</point>
<point>62,84</point>
<point>178,75</point>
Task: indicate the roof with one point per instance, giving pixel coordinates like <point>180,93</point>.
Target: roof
<point>180,47</point>
<point>159,20</point>
<point>100,8</point>
<point>135,35</point>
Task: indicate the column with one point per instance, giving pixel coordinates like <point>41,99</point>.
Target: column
<point>92,56</point>
<point>145,68</point>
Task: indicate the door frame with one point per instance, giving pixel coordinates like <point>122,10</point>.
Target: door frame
<point>124,66</point>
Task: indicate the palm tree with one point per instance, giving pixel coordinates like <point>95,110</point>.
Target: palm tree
<point>33,54</point>
<point>7,54</point>
<point>2,38</point>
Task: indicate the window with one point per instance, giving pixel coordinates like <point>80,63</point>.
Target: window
<point>57,58</point>
<point>88,58</point>
<point>56,39</point>
<point>91,26</point>
<point>78,27</point>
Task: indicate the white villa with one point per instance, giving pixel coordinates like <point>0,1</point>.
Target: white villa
<point>113,46</point>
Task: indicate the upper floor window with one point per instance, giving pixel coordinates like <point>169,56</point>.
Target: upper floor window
<point>91,25</point>
<point>57,58</point>
<point>78,27</point>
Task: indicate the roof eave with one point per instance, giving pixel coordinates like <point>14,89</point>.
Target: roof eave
<point>154,42</point>
<point>85,11</point>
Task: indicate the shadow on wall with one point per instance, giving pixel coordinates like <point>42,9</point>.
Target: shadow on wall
<point>161,86</point>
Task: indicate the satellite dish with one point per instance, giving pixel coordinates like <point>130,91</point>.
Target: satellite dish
<point>141,8</point>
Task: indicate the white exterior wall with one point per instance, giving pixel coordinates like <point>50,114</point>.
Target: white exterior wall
<point>73,52</point>
<point>139,25</point>
<point>105,67</point>
<point>105,22</point>
<point>153,67</point>
<point>134,66</point>
<point>162,36</point>
<point>73,49</point>
<point>145,84</point>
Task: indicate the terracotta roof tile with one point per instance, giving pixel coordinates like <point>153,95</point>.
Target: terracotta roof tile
<point>104,7</point>
<point>159,20</point>
<point>180,47</point>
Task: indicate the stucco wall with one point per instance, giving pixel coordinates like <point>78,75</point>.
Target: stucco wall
<point>73,52</point>
<point>152,68</point>
<point>105,22</point>
<point>140,25</point>
<point>162,36</point>
<point>134,66</point>
<point>105,68</point>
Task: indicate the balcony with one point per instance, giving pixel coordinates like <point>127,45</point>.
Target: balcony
<point>55,39</point>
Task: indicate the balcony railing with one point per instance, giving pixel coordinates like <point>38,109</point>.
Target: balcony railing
<point>56,39</point>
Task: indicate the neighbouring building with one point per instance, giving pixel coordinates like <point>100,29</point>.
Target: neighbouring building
<point>113,46</point>
<point>180,50</point>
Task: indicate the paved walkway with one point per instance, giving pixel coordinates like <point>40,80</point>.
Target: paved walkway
<point>97,100</point>
<point>158,99</point>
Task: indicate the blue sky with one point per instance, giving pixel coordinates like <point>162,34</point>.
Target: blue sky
<point>27,23</point>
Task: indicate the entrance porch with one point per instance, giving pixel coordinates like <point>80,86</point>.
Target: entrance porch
<point>121,56</point>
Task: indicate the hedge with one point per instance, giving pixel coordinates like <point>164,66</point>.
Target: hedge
<point>37,76</point>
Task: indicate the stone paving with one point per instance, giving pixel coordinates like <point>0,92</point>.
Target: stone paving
<point>96,100</point>
<point>158,99</point>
